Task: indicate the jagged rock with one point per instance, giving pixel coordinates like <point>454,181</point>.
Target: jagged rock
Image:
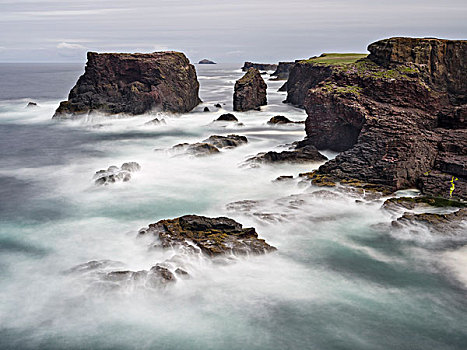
<point>385,113</point>
<point>298,155</point>
<point>442,223</point>
<point>134,84</point>
<point>156,121</point>
<point>282,71</point>
<point>228,117</point>
<point>258,66</point>
<point>213,236</point>
<point>229,141</point>
<point>114,174</point>
<point>249,92</point>
<point>206,61</point>
<point>206,109</point>
<point>31,105</point>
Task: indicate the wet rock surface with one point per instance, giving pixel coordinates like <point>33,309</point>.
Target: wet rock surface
<point>450,223</point>
<point>134,84</point>
<point>212,236</point>
<point>212,145</point>
<point>250,92</point>
<point>298,155</point>
<point>280,119</point>
<point>229,141</point>
<point>115,174</point>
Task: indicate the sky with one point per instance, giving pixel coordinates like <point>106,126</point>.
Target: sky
<point>221,30</point>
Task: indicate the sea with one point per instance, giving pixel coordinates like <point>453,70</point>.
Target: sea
<point>342,277</point>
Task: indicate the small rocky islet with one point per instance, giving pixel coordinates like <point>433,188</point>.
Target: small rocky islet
<point>396,117</point>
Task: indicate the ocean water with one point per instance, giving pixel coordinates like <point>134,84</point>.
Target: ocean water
<point>341,278</point>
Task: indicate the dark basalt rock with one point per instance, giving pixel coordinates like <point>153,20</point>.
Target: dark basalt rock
<point>31,105</point>
<point>258,66</point>
<point>134,84</point>
<point>218,105</point>
<point>282,71</point>
<point>114,174</point>
<point>398,115</point>
<point>206,109</point>
<point>228,117</point>
<point>229,141</point>
<point>249,92</point>
<point>299,155</point>
<point>213,236</point>
<point>206,61</point>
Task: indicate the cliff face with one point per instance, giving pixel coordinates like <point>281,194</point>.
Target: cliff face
<point>134,84</point>
<point>258,66</point>
<point>282,71</point>
<point>249,92</point>
<point>398,115</point>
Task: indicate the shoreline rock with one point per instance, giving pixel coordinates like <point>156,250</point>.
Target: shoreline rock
<point>259,66</point>
<point>134,84</point>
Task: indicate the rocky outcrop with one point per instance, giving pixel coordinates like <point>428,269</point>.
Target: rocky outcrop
<point>304,154</point>
<point>282,71</point>
<point>450,223</point>
<point>280,119</point>
<point>133,84</point>
<point>211,145</point>
<point>206,61</point>
<point>398,115</point>
<point>227,117</point>
<point>250,92</point>
<point>115,174</point>
<point>258,66</point>
<point>212,236</point>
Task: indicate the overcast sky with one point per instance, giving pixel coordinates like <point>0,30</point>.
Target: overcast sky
<point>222,30</point>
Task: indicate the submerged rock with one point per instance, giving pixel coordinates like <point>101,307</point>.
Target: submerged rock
<point>133,83</point>
<point>206,109</point>
<point>227,117</point>
<point>31,105</point>
<point>156,121</point>
<point>218,105</point>
<point>229,141</point>
<point>114,174</point>
<point>280,119</point>
<point>212,236</point>
<point>451,223</point>
<point>249,92</point>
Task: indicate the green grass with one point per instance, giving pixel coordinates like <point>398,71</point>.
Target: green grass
<point>336,58</point>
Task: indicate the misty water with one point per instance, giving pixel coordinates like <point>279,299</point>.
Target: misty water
<point>340,279</point>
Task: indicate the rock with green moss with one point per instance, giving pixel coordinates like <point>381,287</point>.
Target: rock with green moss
<point>450,223</point>
<point>211,236</point>
<point>421,202</point>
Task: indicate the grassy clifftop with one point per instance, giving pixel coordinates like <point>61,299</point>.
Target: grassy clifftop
<point>336,58</point>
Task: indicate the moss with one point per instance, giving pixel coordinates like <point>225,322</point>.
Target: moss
<point>341,90</point>
<point>377,188</point>
<point>319,179</point>
<point>366,68</point>
<point>335,58</point>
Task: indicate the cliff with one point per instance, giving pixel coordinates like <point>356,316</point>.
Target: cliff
<point>398,115</point>
<point>133,83</point>
<point>258,66</point>
<point>282,70</point>
<point>249,91</point>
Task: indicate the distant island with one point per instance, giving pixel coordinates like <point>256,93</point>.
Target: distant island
<point>206,61</point>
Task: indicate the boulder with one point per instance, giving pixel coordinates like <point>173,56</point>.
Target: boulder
<point>229,141</point>
<point>133,84</point>
<point>212,236</point>
<point>115,174</point>
<point>280,119</point>
<point>206,109</point>
<point>227,117</point>
<point>218,105</point>
<point>31,105</point>
<point>250,92</point>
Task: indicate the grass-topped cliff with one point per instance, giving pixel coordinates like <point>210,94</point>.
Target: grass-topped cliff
<point>335,58</point>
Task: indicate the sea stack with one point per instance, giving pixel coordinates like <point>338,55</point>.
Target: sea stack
<point>133,84</point>
<point>250,92</point>
<point>206,61</point>
<point>398,115</point>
